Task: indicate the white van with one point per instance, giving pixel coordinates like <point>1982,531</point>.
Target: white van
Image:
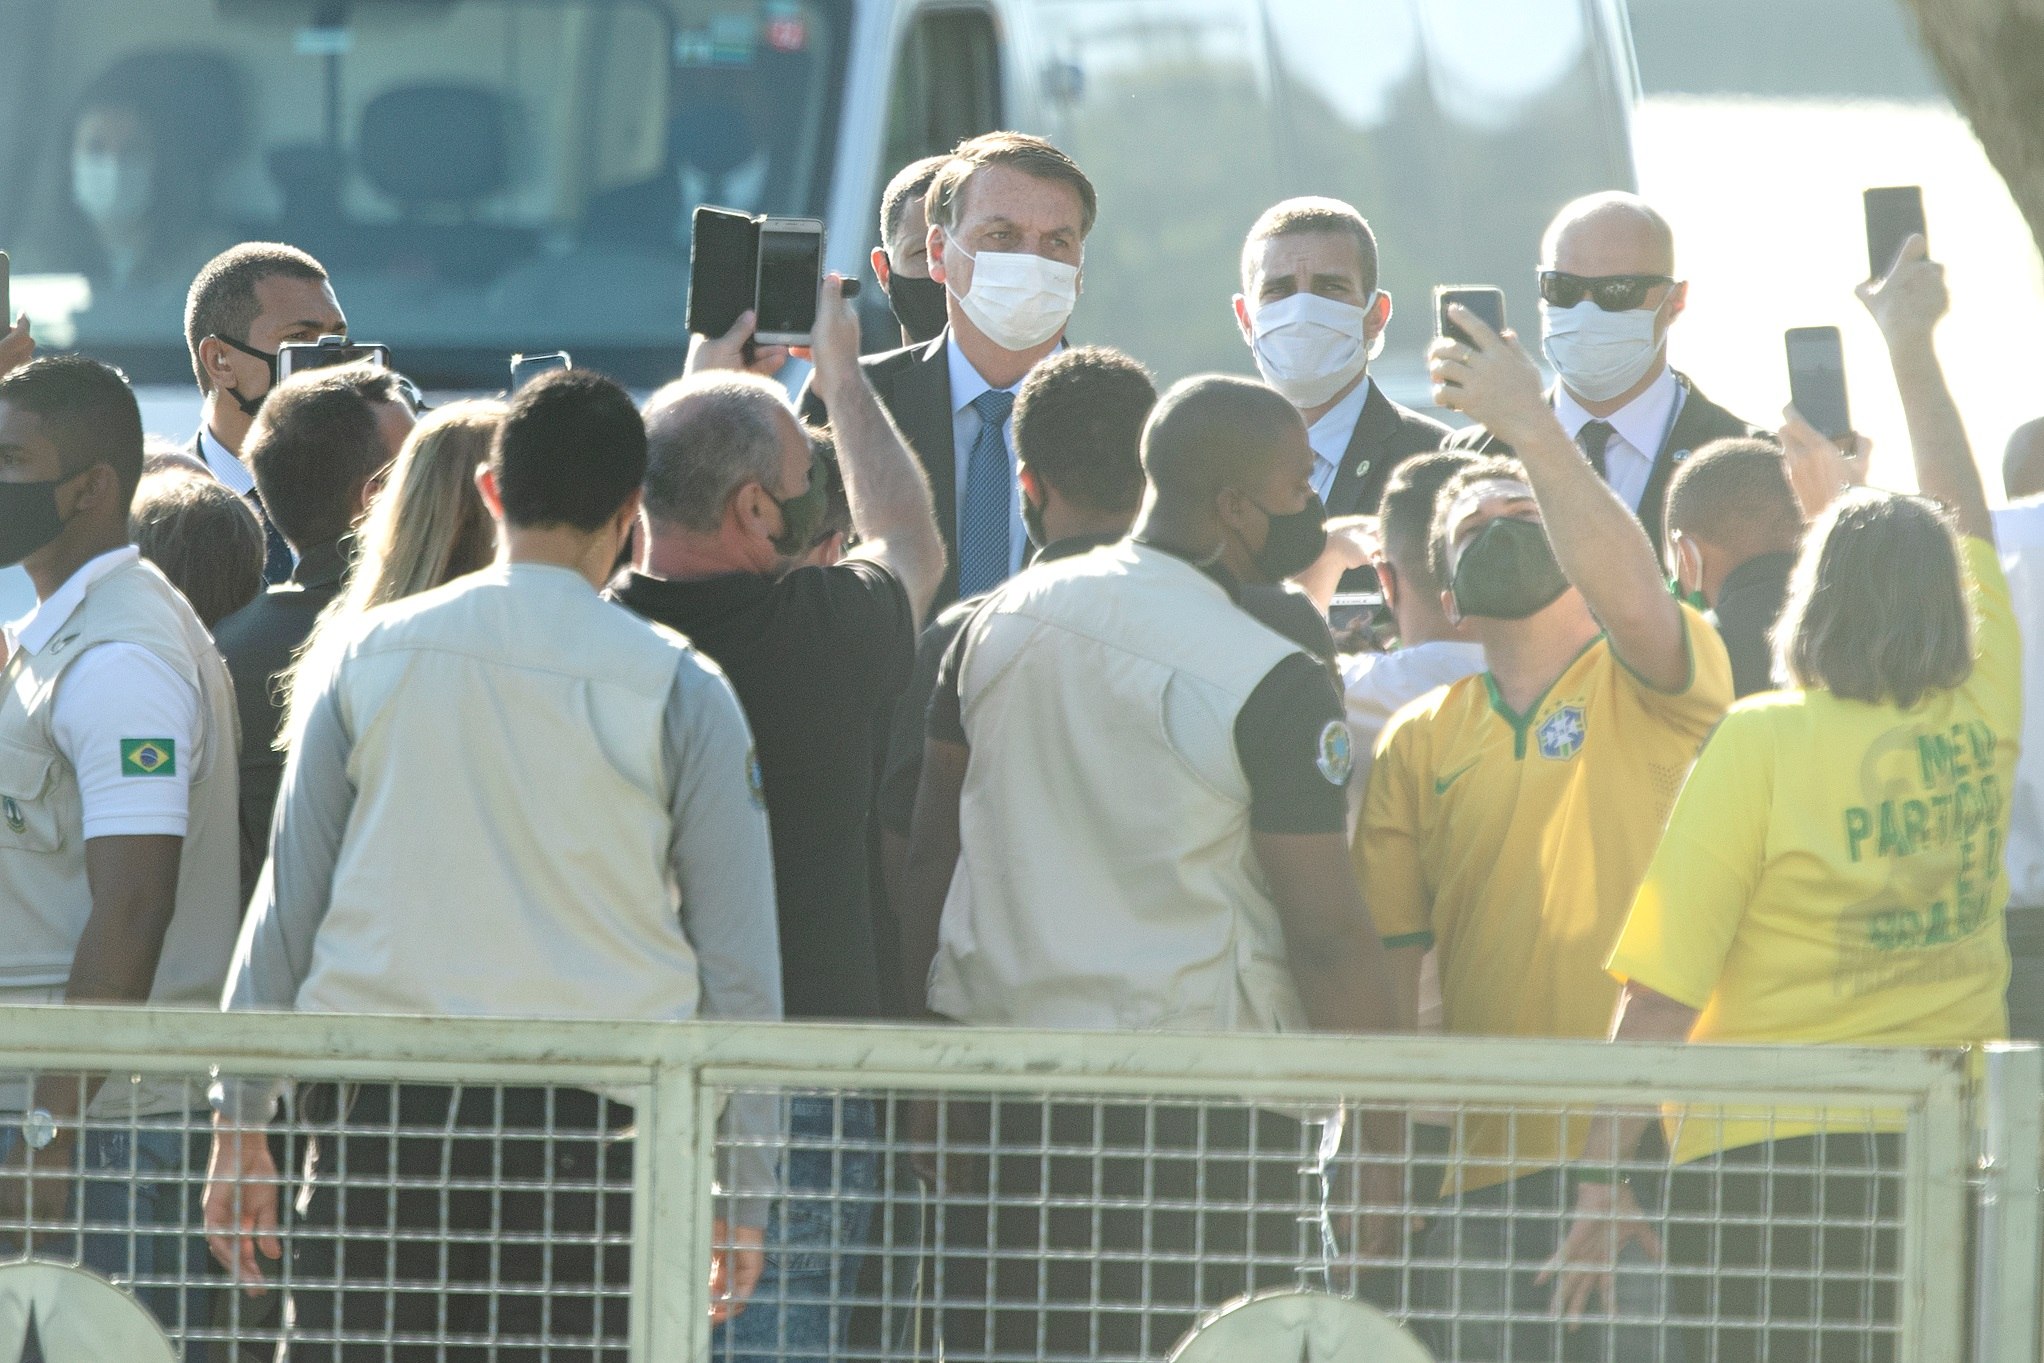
<point>490,176</point>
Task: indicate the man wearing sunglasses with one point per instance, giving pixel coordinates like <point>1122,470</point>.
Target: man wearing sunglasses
<point>1608,294</point>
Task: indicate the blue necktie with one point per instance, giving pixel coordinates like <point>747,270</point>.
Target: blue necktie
<point>984,522</point>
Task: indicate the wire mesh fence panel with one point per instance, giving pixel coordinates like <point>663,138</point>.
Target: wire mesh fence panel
<point>527,1190</point>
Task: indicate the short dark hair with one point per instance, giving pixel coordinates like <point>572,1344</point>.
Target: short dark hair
<point>1030,155</point>
<point>205,539</point>
<point>909,185</point>
<point>1482,469</point>
<point>1079,424</point>
<point>88,410</point>
<point>222,301</point>
<point>1211,431</point>
<point>1735,493</point>
<point>1405,513</point>
<point>837,501</point>
<point>1313,214</point>
<point>1877,608</point>
<point>314,444</point>
<point>571,451</point>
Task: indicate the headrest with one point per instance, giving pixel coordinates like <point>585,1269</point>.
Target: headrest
<point>436,144</point>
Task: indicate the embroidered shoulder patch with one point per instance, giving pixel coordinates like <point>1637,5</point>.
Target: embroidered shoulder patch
<point>148,757</point>
<point>1337,757</point>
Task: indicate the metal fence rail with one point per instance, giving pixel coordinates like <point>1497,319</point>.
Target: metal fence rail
<point>456,1188</point>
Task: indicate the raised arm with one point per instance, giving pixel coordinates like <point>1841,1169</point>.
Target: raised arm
<point>1907,305</point>
<point>1598,542</point>
<point>889,494</point>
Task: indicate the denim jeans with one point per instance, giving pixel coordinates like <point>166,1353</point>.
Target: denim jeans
<point>1479,1292</point>
<point>817,1237</point>
<point>141,1209</point>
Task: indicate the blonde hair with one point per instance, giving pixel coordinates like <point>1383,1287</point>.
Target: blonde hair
<point>1877,608</point>
<point>426,527</point>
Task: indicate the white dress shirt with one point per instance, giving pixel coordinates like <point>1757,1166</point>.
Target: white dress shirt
<point>2019,535</point>
<point>1330,435</point>
<point>226,465</point>
<point>1638,430</point>
<point>967,384</point>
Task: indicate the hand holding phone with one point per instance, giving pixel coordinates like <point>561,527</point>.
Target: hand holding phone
<point>1894,215</point>
<point>1816,363</point>
<point>1487,303</point>
<point>294,357</point>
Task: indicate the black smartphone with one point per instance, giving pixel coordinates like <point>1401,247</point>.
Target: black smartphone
<point>1894,215</point>
<point>526,368</point>
<point>295,357</point>
<point>1486,303</point>
<point>790,276</point>
<point>1816,364</point>
<point>723,269</point>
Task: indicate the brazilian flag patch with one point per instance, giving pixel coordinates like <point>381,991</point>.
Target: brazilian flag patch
<point>148,757</point>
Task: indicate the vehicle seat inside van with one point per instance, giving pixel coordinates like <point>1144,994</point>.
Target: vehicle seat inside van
<point>440,153</point>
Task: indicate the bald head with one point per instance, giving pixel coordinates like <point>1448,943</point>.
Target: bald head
<point>1214,432</point>
<point>1608,234</point>
<point>2022,463</point>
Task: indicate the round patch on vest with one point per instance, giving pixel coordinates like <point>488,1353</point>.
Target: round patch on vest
<point>1337,757</point>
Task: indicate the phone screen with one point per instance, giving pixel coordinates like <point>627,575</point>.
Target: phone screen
<point>790,271</point>
<point>1817,379</point>
<point>1486,303</point>
<point>526,368</point>
<point>296,358</point>
<point>1894,214</point>
<point>723,266</point>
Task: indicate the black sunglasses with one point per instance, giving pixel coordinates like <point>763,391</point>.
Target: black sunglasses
<point>1611,292</point>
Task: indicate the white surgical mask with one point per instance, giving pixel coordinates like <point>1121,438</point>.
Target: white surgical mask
<point>110,190</point>
<point>1599,354</point>
<point>1309,348</point>
<point>1019,299</point>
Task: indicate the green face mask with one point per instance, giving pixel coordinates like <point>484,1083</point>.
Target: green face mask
<point>801,515</point>
<point>1507,572</point>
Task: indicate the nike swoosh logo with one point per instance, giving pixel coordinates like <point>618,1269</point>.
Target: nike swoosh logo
<point>1441,783</point>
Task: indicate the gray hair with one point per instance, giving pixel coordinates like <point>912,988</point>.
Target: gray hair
<point>707,436</point>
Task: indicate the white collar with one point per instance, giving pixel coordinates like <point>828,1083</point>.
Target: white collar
<point>1330,435</point>
<point>32,631</point>
<point>1642,423</point>
<point>226,465</point>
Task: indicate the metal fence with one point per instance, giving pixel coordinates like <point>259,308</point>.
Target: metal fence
<point>471,1188</point>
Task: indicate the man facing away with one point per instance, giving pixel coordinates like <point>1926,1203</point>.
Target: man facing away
<point>511,798</point>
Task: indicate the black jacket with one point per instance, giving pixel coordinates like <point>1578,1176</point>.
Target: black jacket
<point>914,385</point>
<point>1699,422</point>
<point>1386,435</point>
<point>276,553</point>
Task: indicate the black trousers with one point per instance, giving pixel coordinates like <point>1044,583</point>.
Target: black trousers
<point>1824,1289</point>
<point>467,1223</point>
<point>1104,1231</point>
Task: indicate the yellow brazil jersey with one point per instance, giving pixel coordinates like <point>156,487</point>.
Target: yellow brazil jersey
<point>1515,843</point>
<point>1833,871</point>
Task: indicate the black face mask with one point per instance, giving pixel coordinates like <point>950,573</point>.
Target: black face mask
<point>28,518</point>
<point>250,406</point>
<point>918,304</point>
<point>1508,572</point>
<point>1294,541</point>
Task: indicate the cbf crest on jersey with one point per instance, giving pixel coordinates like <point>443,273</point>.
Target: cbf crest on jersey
<point>1561,734</point>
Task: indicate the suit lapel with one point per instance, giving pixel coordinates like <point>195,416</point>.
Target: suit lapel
<point>1362,461</point>
<point>1687,432</point>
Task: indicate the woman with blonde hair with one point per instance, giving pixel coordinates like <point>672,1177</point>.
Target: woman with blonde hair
<point>1831,873</point>
<point>426,526</point>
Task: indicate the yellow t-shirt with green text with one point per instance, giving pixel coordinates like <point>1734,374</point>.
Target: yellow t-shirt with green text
<point>1514,843</point>
<point>1833,873</point>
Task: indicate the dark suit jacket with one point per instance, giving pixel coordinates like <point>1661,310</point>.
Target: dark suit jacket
<point>1386,435</point>
<point>276,553</point>
<point>259,641</point>
<point>1698,423</point>
<point>914,385</point>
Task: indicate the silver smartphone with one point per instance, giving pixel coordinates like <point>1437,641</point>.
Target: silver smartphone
<point>790,280</point>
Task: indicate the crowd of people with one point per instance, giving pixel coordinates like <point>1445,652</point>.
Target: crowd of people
<point>982,684</point>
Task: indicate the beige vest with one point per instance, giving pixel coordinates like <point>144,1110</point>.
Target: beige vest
<point>44,898</point>
<point>507,851</point>
<point>1107,878</point>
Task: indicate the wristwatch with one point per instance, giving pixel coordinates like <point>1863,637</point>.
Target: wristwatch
<point>38,1128</point>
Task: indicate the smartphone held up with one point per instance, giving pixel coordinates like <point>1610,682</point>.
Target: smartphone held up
<point>772,267</point>
<point>1894,215</point>
<point>1487,303</point>
<point>1816,364</point>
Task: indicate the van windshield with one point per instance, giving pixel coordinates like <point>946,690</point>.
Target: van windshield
<point>480,176</point>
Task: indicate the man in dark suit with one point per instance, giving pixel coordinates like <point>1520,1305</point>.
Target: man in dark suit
<point>1608,295</point>
<point>1313,315</point>
<point>1009,215</point>
<point>318,449</point>
<point>246,302</point>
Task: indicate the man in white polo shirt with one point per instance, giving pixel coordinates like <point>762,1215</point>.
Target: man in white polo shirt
<point>117,817</point>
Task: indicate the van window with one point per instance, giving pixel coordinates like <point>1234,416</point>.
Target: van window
<point>947,86</point>
<point>480,176</point>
